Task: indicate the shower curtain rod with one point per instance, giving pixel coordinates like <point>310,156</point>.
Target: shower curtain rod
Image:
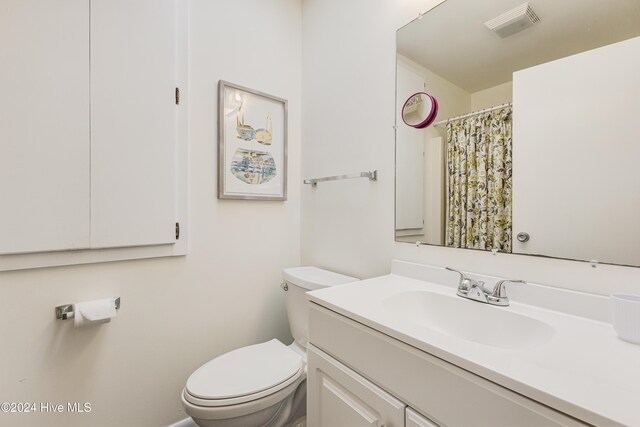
<point>475,113</point>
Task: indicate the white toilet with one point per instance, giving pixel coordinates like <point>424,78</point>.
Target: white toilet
<point>264,384</point>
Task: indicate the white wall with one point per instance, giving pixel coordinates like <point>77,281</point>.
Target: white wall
<point>348,112</point>
<point>490,97</point>
<point>176,313</point>
<point>349,106</point>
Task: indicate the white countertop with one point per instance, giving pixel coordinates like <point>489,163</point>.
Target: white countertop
<point>584,370</point>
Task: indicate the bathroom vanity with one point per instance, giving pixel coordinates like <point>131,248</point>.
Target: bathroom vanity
<point>404,350</point>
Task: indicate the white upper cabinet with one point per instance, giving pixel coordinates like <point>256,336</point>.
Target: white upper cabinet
<point>133,122</point>
<point>92,141</point>
<point>44,125</point>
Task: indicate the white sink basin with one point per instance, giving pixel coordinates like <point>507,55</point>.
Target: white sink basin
<point>469,320</point>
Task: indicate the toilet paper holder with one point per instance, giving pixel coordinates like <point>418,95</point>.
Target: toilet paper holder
<point>66,311</point>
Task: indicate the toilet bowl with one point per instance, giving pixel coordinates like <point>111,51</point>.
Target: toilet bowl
<point>263,384</point>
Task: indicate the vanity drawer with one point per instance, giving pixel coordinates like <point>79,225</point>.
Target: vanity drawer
<point>414,419</point>
<point>448,394</point>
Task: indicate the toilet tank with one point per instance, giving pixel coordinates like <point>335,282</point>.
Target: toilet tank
<point>300,280</point>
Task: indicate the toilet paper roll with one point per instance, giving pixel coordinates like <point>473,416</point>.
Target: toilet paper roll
<point>94,312</point>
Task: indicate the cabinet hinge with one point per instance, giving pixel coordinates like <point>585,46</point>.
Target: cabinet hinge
<point>177,231</point>
<point>177,96</point>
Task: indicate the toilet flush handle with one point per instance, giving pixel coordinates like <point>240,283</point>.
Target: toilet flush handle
<point>284,286</point>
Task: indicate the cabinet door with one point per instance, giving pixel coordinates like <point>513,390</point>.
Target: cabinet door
<point>133,122</point>
<point>410,145</point>
<point>44,125</point>
<point>339,397</point>
<point>582,202</point>
<point>414,419</point>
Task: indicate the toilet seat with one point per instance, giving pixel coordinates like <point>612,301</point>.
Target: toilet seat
<point>244,375</point>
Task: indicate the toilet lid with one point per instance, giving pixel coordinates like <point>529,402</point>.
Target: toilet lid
<point>245,371</point>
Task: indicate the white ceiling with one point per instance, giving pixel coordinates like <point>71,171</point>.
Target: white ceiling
<point>452,41</point>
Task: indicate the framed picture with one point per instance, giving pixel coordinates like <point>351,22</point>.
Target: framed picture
<point>252,144</point>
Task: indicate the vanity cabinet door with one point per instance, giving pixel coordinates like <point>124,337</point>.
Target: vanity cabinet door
<point>133,122</point>
<point>44,125</point>
<point>414,419</point>
<point>339,397</point>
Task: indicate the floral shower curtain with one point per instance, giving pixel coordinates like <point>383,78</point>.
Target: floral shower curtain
<point>479,182</point>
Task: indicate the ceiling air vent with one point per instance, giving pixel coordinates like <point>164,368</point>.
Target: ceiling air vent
<point>513,21</point>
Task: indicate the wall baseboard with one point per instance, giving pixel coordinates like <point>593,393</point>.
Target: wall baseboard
<point>187,422</point>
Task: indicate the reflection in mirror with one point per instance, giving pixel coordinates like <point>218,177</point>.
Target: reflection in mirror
<point>420,110</point>
<point>535,148</point>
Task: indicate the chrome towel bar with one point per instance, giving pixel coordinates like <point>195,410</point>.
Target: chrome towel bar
<point>372,175</point>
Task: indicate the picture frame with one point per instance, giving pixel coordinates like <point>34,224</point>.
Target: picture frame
<point>252,144</point>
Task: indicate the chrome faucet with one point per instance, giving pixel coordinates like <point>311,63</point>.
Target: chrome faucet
<point>475,290</point>
<point>499,293</point>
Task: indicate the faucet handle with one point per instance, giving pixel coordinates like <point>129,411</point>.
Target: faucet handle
<point>463,276</point>
<point>499,289</point>
<point>465,281</point>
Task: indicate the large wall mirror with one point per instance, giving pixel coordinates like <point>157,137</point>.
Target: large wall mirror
<point>536,145</point>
